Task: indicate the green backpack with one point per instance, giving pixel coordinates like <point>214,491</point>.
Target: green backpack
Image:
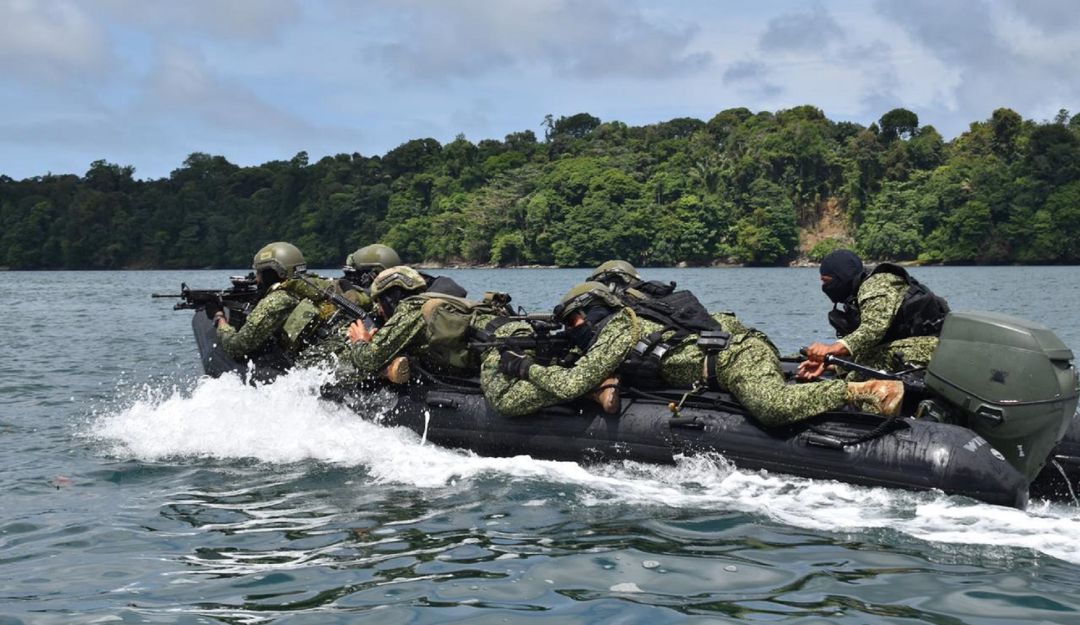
<point>449,321</point>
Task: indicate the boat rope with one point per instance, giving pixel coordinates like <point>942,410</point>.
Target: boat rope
<point>886,427</point>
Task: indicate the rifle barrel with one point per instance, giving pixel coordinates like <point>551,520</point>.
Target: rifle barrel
<point>874,373</point>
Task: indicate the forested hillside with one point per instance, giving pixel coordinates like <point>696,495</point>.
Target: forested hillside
<point>754,188</point>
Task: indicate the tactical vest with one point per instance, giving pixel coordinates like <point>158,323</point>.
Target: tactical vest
<point>309,317</point>
<point>449,322</point>
<point>681,314</point>
<point>653,289</point>
<point>921,313</point>
<point>444,285</point>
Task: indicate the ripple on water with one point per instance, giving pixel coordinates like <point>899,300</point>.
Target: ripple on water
<point>189,500</point>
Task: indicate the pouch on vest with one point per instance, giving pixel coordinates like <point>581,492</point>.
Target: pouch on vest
<point>713,340</point>
<point>844,320</point>
<point>443,285</point>
<point>654,288</point>
<point>302,317</point>
<point>680,310</point>
<point>448,322</point>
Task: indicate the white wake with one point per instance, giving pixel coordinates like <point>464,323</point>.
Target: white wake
<point>287,422</point>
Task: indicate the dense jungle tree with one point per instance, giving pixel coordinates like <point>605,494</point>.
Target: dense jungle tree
<point>737,188</point>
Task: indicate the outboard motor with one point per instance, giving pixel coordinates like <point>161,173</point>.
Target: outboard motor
<point>1009,380</point>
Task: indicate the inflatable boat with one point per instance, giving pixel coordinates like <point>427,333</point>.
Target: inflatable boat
<point>996,422</point>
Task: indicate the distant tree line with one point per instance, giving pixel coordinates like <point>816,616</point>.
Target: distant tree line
<point>742,187</point>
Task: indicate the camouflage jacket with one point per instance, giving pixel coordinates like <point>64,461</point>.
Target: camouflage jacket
<point>267,321</point>
<point>404,333</point>
<point>880,297</point>
<point>685,363</point>
<point>597,364</point>
<point>260,327</point>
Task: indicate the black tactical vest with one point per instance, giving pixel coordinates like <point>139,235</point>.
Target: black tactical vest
<point>653,288</point>
<point>922,313</point>
<point>444,285</point>
<point>681,314</point>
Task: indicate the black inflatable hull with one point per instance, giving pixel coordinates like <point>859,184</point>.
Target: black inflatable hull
<point>924,455</point>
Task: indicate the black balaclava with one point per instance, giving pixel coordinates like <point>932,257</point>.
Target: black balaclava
<point>584,334</point>
<point>390,299</point>
<point>846,269</point>
<point>267,278</point>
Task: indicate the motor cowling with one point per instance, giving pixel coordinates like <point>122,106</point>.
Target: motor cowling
<point>1009,380</point>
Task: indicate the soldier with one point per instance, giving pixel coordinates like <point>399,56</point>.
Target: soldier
<point>292,314</point>
<point>881,316</point>
<point>364,264</point>
<point>622,278</point>
<point>629,286</point>
<point>600,328</point>
<point>431,327</point>
<point>653,351</point>
<point>360,269</point>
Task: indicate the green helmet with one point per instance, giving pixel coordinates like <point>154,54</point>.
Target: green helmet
<point>584,295</point>
<point>371,257</point>
<point>403,277</point>
<point>615,271</point>
<point>284,259</point>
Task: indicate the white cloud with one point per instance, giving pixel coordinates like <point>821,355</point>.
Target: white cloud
<point>1050,16</point>
<point>147,82</point>
<point>250,20</point>
<point>591,40</point>
<point>183,85</point>
<point>804,31</point>
<point>997,58</point>
<point>50,41</point>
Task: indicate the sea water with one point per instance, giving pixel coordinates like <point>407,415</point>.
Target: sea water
<point>136,490</point>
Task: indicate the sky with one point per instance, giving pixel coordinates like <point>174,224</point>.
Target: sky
<point>147,82</point>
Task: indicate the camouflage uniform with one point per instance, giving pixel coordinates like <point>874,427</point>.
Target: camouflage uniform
<point>880,297</point>
<point>262,325</point>
<point>267,322</point>
<point>404,333</point>
<point>749,368</point>
<point>554,384</point>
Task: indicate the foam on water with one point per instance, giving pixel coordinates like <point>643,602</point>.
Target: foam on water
<point>287,422</point>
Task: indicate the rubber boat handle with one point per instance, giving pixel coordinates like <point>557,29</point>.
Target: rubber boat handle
<point>820,440</point>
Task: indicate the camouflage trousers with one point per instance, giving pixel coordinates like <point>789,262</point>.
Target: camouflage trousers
<point>750,370</point>
<point>915,350</point>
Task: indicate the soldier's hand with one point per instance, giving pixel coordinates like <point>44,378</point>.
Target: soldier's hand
<point>818,351</point>
<point>810,370</point>
<point>359,332</point>
<point>515,364</point>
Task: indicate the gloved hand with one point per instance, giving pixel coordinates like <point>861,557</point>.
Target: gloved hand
<point>515,364</point>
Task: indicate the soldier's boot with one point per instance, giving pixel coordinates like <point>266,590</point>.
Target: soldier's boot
<point>885,395</point>
<point>397,372</point>
<point>607,395</point>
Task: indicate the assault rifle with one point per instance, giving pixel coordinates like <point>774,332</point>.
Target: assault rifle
<point>548,341</point>
<point>907,374</point>
<point>240,297</point>
<point>343,304</point>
